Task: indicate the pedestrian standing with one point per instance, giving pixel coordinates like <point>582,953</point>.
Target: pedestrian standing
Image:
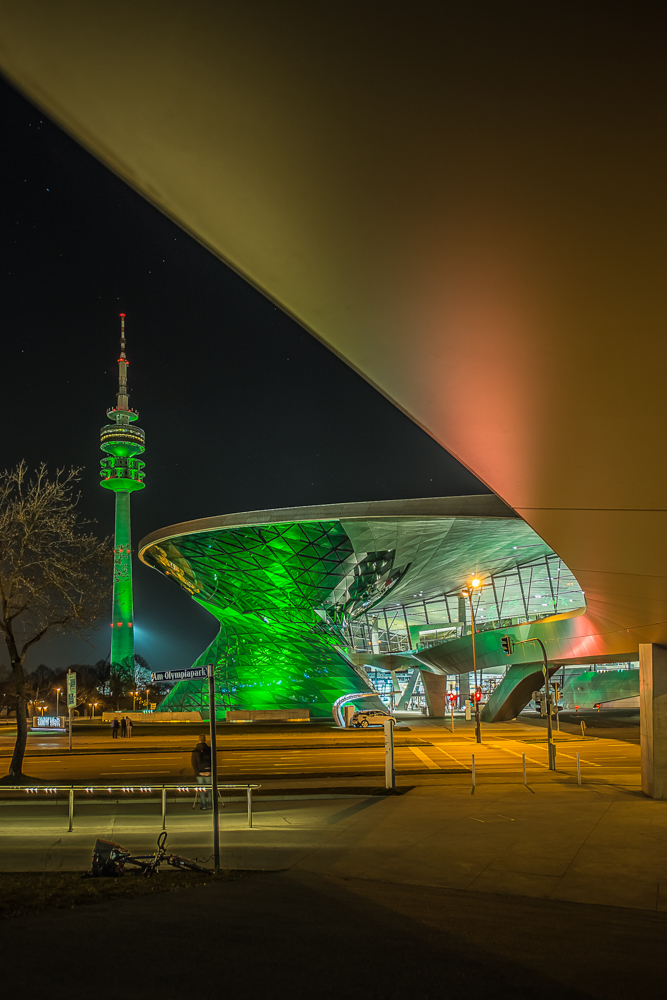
<point>201,765</point>
<point>123,726</point>
<point>129,727</point>
<point>114,728</point>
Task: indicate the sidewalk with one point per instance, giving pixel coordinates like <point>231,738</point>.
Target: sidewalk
<point>600,843</point>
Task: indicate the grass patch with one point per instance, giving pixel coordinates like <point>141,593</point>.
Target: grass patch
<point>23,893</point>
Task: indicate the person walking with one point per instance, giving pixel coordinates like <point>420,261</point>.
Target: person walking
<point>129,727</point>
<point>201,765</point>
<point>123,726</point>
<point>114,728</point>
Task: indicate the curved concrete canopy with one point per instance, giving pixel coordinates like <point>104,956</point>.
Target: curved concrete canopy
<point>465,201</point>
<point>426,547</point>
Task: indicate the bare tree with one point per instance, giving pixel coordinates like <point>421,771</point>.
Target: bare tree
<point>39,682</point>
<point>54,576</point>
<point>89,686</point>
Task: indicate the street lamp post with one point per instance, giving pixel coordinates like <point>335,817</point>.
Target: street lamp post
<point>545,671</point>
<point>58,690</point>
<point>475,584</point>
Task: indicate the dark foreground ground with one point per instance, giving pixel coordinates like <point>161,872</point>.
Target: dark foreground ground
<point>296,934</point>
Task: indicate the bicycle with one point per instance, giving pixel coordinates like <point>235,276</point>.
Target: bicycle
<point>110,860</point>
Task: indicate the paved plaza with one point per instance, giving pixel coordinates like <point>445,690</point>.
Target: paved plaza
<point>602,842</point>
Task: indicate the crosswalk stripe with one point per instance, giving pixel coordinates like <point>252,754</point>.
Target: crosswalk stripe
<point>427,760</point>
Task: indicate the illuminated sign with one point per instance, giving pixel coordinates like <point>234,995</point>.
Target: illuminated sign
<point>47,722</point>
<point>71,689</point>
<point>188,674</point>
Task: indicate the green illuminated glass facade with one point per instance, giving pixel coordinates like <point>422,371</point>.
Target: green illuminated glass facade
<point>280,593</point>
<point>291,590</point>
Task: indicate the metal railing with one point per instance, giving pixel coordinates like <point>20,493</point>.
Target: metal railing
<point>129,790</point>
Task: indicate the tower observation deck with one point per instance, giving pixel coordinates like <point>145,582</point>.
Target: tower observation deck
<point>122,472</point>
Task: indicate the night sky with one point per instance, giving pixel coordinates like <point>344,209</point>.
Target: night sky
<point>242,408</point>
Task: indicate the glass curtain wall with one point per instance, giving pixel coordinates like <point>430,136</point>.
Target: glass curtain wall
<point>530,591</point>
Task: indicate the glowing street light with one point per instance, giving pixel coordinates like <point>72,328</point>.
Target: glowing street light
<point>474,585</point>
<point>58,690</point>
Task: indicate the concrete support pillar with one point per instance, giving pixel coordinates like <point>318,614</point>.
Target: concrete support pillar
<point>653,718</point>
<point>463,611</point>
<point>464,689</point>
<point>435,689</point>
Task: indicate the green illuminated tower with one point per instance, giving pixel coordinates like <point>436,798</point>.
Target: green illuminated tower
<point>122,472</point>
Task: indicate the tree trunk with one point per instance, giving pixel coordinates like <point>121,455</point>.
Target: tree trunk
<point>16,765</point>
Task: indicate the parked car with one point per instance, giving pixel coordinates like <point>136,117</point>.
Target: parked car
<point>370,717</point>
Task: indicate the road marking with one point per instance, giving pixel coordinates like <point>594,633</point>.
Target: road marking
<point>570,757</point>
<point>516,754</point>
<point>439,747</point>
<point>108,774</point>
<point>427,760</point>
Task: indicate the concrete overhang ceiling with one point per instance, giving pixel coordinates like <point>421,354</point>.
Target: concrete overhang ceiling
<point>465,201</point>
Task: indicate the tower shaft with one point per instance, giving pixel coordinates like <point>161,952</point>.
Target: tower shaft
<point>122,624</point>
<point>122,472</point>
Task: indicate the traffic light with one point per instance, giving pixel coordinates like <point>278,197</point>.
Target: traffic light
<point>478,694</point>
<point>507,644</point>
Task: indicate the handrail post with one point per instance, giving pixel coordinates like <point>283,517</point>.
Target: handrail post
<point>164,807</point>
<point>71,809</point>
<point>249,807</point>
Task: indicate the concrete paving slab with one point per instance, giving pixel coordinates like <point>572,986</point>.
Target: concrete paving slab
<point>513,883</point>
<point>612,890</point>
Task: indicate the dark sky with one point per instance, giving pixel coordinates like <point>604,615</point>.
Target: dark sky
<point>242,409</point>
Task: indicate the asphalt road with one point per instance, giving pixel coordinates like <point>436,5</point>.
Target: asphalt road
<point>322,751</point>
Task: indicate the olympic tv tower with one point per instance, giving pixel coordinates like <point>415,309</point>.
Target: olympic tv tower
<point>122,473</point>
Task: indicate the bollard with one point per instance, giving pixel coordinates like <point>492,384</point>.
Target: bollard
<point>525,780</point>
<point>473,773</point>
<point>249,808</point>
<point>583,729</point>
<point>389,766</point>
<point>164,808</point>
<point>71,809</point>
<point>578,770</point>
